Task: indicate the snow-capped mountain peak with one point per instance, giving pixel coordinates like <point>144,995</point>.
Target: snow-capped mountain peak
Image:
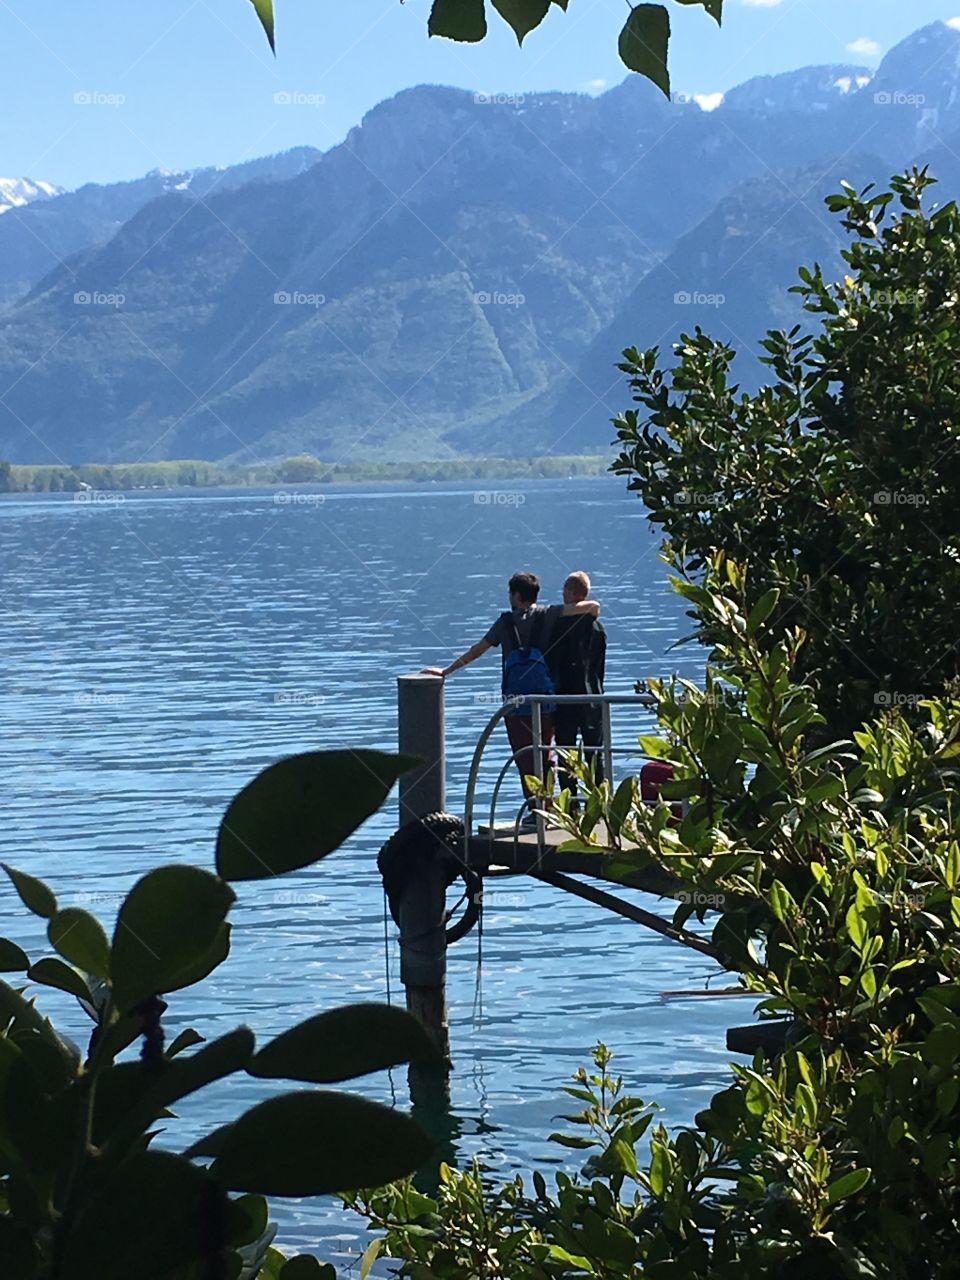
<point>15,192</point>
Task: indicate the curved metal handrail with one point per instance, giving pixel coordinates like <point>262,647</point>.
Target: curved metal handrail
<point>536,701</point>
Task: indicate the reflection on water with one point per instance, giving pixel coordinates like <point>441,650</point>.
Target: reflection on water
<point>158,651</point>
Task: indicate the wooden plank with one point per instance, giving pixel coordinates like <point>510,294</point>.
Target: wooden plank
<point>770,1037</point>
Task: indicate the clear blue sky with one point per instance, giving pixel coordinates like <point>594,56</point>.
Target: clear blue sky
<point>183,83</point>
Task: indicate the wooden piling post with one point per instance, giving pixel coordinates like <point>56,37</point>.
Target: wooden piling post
<point>423,943</point>
<point>421,733</point>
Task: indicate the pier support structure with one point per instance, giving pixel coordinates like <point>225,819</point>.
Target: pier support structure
<point>422,907</point>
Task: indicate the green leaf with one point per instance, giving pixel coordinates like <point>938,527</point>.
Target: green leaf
<point>203,964</point>
<point>782,902</point>
<point>572,1140</point>
<point>953,865</point>
<point>153,1215</point>
<point>458,20</point>
<point>210,1145</point>
<point>54,973</point>
<point>370,1255</point>
<point>619,1157</point>
<point>20,1018</point>
<point>171,1080</point>
<point>856,926</point>
<point>947,1093</point>
<point>644,41</point>
<point>720,753</point>
<point>33,893</point>
<point>185,1040</point>
<point>343,1043</point>
<point>12,959</point>
<point>571,1259</point>
<point>24,1112</point>
<point>522,15</point>
<point>247,1221</point>
<point>169,920</point>
<point>316,1143</point>
<point>848,1185</point>
<point>827,787</point>
<point>659,1169</point>
<point>79,938</point>
<point>762,610</point>
<point>264,10</point>
<point>713,7</point>
<point>306,1267</point>
<point>942,1046</point>
<point>302,808</point>
<point>272,1266</point>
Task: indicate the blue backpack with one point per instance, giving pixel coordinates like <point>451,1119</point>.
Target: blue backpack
<point>525,670</point>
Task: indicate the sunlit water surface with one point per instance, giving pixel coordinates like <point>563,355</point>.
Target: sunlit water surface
<point>158,651</point>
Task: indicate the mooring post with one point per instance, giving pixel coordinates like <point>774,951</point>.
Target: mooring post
<point>422,907</point>
<point>421,733</point>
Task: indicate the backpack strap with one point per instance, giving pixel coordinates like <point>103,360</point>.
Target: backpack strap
<point>510,621</point>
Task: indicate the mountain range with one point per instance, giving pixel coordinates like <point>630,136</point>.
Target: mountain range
<point>459,276</point>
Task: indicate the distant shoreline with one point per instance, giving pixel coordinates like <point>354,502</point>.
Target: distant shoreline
<point>190,473</point>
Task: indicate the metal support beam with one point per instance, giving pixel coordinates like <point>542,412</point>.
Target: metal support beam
<point>627,909</point>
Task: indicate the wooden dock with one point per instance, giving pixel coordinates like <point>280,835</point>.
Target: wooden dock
<point>487,853</point>
<point>524,854</point>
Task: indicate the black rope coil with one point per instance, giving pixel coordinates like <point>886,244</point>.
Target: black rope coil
<point>410,851</point>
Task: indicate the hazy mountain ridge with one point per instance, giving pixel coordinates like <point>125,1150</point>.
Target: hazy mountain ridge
<point>40,235</point>
<point>460,273</point>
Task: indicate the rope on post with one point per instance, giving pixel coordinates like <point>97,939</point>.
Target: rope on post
<point>410,852</point>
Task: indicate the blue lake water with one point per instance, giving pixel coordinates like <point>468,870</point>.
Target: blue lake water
<point>159,650</point>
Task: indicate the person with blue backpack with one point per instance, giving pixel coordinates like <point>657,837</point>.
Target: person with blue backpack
<point>524,634</point>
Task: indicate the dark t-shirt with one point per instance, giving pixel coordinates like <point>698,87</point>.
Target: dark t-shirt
<point>577,655</point>
<point>501,634</point>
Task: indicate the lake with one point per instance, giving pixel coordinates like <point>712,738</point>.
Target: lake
<point>160,649</point>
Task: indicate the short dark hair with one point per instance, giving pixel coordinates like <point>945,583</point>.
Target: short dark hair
<point>526,586</point>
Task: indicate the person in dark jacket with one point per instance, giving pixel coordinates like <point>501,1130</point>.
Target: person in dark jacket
<point>577,658</point>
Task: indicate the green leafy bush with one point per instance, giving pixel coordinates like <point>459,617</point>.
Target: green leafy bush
<point>838,480</point>
<point>84,1193</point>
<point>833,876</point>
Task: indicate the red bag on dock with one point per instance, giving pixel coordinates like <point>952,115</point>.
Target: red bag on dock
<point>652,777</point>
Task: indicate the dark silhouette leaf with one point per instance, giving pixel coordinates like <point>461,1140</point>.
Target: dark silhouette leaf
<point>301,809</point>
<point>159,1087</point>
<point>12,959</point>
<point>154,1215</point>
<point>344,1043</point>
<point>33,893</point>
<point>318,1142</point>
<point>458,20</point>
<point>169,921</point>
<point>79,938</point>
<point>522,15</point>
<point>644,41</point>
<point>54,973</point>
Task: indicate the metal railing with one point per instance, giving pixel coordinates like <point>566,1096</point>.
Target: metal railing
<point>537,746</point>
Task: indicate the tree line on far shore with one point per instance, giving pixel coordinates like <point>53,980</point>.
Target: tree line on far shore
<point>302,469</point>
